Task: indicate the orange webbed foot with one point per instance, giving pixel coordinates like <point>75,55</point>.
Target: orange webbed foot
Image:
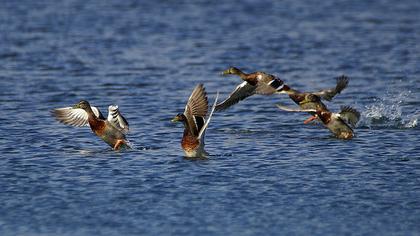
<point>309,119</point>
<point>118,144</point>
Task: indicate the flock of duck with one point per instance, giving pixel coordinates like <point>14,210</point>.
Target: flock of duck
<point>196,116</point>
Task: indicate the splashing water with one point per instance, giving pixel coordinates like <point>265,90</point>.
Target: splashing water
<point>388,112</point>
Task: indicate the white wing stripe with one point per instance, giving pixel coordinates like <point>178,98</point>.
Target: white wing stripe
<point>209,117</point>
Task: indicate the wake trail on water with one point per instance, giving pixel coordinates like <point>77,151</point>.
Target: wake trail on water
<point>390,111</point>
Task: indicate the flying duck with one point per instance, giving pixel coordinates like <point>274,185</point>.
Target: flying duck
<point>340,124</point>
<point>267,84</point>
<point>254,83</point>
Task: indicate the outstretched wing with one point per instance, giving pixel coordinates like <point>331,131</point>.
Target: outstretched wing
<point>349,115</point>
<point>203,129</point>
<point>196,108</point>
<point>74,116</point>
<point>116,119</point>
<point>297,109</point>
<point>241,92</point>
<point>328,94</point>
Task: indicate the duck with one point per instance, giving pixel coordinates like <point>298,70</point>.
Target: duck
<point>340,124</point>
<point>313,100</point>
<point>253,83</point>
<point>266,84</point>
<point>112,129</point>
<point>196,121</point>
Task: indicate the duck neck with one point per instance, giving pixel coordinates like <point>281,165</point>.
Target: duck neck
<point>90,113</point>
<point>93,120</point>
<point>188,129</point>
<point>241,74</point>
<point>286,89</point>
<point>251,78</point>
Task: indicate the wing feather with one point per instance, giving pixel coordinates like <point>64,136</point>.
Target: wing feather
<point>268,84</point>
<point>70,116</point>
<point>74,116</point>
<point>116,119</point>
<point>203,129</point>
<point>328,94</point>
<point>298,109</point>
<point>241,92</point>
<point>349,115</point>
<point>197,106</point>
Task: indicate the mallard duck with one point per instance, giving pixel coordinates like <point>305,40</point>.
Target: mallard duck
<point>340,124</point>
<point>312,100</point>
<point>112,130</point>
<point>267,84</point>
<point>195,122</point>
<point>254,83</point>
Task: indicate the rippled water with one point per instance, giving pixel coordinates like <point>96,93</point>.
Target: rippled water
<point>268,173</point>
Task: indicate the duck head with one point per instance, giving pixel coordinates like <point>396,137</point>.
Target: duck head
<point>179,117</point>
<point>324,116</point>
<point>82,105</point>
<point>232,71</point>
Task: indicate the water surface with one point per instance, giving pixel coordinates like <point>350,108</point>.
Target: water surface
<point>268,174</point>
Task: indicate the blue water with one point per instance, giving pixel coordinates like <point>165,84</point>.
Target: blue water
<point>268,174</point>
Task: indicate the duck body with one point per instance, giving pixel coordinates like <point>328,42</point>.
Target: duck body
<point>192,146</point>
<point>111,131</point>
<point>313,100</point>
<point>338,124</point>
<point>266,84</point>
<point>108,133</point>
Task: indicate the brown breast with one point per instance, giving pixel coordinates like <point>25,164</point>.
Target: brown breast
<point>189,142</point>
<point>97,126</point>
<point>345,135</point>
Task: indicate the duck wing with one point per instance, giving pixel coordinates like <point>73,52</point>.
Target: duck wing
<point>116,119</point>
<point>349,115</point>
<point>241,92</point>
<point>196,109</point>
<point>328,94</point>
<point>75,116</point>
<point>297,109</point>
<point>203,129</point>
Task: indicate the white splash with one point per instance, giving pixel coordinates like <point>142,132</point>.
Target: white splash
<point>389,111</point>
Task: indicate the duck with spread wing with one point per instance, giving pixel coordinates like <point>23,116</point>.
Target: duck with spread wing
<point>112,129</point>
<point>196,121</point>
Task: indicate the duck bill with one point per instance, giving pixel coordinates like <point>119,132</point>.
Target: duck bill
<point>175,119</point>
<point>226,72</point>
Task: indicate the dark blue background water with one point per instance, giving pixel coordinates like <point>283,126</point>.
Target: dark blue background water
<point>268,173</point>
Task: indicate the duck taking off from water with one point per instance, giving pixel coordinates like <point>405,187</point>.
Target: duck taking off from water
<point>195,122</point>
<point>267,84</point>
<point>112,129</point>
<point>340,124</point>
<point>313,100</point>
<point>254,83</point>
